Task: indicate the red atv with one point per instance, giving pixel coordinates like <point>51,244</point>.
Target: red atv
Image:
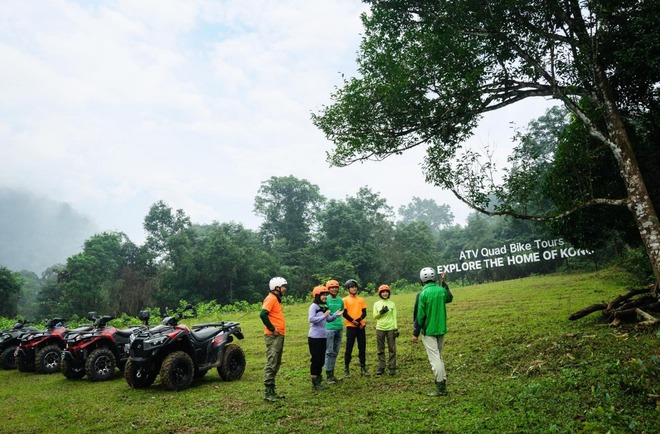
<point>41,351</point>
<point>98,352</point>
<point>180,354</point>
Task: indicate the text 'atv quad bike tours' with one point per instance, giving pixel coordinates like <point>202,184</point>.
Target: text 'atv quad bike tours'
<point>180,354</point>
<point>41,351</point>
<point>9,340</point>
<point>98,352</point>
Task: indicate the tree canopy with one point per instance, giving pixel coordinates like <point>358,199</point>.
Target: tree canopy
<point>428,71</point>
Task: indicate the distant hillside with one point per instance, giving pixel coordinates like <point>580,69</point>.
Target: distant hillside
<point>37,232</point>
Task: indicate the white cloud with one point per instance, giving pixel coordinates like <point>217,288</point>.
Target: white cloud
<point>113,105</point>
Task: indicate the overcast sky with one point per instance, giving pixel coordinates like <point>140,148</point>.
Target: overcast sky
<point>111,106</point>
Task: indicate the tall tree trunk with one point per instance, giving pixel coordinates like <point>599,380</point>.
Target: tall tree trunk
<point>639,201</point>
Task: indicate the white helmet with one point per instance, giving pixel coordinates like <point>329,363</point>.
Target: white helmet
<point>427,275</point>
<point>276,281</point>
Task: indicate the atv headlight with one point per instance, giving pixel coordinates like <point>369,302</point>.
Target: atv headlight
<point>150,344</point>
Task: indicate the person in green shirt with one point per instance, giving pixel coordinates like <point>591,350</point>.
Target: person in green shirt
<point>430,318</point>
<point>387,330</point>
<point>333,331</point>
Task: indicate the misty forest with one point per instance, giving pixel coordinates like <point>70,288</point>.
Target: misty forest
<point>306,238</point>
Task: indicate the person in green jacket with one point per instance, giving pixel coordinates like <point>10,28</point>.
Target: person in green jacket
<point>387,330</point>
<point>430,318</point>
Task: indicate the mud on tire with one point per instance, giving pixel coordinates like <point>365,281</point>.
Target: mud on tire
<point>233,363</point>
<point>71,370</point>
<point>47,359</point>
<point>23,364</point>
<point>138,377</point>
<point>100,364</point>
<point>177,371</point>
<point>7,359</point>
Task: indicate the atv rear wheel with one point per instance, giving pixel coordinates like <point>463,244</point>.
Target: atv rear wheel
<point>138,377</point>
<point>47,359</point>
<point>177,371</point>
<point>23,364</point>
<point>100,364</point>
<point>233,363</point>
<point>7,359</point>
<point>72,370</point>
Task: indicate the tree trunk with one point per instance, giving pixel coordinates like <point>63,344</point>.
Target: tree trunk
<point>639,201</point>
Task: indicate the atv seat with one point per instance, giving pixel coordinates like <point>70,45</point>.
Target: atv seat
<point>124,333</point>
<point>204,334</point>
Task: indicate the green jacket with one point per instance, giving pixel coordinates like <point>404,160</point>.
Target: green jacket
<point>334,304</point>
<point>431,309</point>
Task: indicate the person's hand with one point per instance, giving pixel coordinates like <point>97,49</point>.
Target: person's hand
<point>384,310</point>
<point>276,332</point>
<point>443,275</point>
<point>339,312</point>
<point>415,339</point>
<point>396,333</point>
<point>326,313</point>
<point>356,322</point>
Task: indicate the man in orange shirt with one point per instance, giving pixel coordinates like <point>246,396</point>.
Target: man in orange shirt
<point>355,311</point>
<point>274,328</point>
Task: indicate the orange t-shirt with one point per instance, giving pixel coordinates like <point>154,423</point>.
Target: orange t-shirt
<point>353,307</point>
<point>275,314</point>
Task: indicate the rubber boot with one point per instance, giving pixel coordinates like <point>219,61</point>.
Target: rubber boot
<point>392,371</point>
<point>347,372</point>
<point>331,377</point>
<point>364,371</point>
<point>440,389</point>
<point>317,383</point>
<point>271,395</point>
<point>380,372</point>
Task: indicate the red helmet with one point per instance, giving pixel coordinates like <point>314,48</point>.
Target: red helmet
<point>319,290</point>
<point>382,288</point>
<point>331,284</point>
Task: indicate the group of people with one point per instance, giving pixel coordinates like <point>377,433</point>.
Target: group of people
<point>328,314</point>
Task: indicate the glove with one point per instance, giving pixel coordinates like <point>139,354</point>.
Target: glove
<point>384,310</point>
<point>396,333</point>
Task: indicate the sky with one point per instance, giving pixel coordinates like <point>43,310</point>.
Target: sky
<point>111,106</point>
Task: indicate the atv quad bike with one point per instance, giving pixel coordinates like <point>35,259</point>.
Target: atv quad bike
<point>180,354</point>
<point>98,352</point>
<point>41,351</point>
<point>9,340</point>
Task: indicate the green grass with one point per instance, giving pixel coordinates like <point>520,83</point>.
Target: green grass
<point>514,361</point>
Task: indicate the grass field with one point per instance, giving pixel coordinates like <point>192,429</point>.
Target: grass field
<point>514,361</point>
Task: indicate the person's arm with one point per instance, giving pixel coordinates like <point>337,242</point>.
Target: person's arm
<point>264,318</point>
<point>416,327</point>
<point>316,315</point>
<point>450,296</point>
<point>364,314</point>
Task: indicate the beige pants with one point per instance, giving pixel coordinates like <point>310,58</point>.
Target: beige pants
<point>433,345</point>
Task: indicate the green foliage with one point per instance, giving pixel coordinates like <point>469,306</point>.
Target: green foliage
<point>10,288</point>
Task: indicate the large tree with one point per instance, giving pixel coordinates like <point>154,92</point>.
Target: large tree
<point>430,70</point>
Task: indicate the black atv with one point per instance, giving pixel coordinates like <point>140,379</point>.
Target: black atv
<point>98,352</point>
<point>180,354</point>
<point>9,340</point>
<point>41,351</point>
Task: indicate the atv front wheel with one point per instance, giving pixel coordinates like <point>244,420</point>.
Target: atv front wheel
<point>233,363</point>
<point>72,370</point>
<point>177,371</point>
<point>23,364</point>
<point>47,359</point>
<point>100,364</point>
<point>7,359</point>
<point>138,377</point>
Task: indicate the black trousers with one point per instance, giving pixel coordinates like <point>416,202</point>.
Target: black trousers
<point>317,352</point>
<point>353,334</point>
